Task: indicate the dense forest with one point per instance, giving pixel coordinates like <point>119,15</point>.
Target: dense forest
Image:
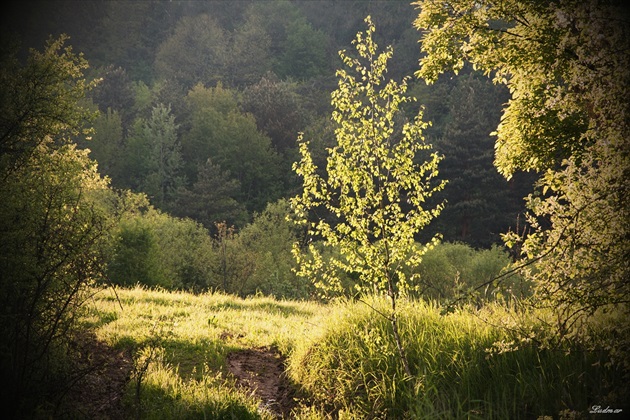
<point>167,144</point>
<point>229,85</point>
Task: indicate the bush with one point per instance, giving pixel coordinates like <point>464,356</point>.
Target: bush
<point>269,239</point>
<point>135,255</point>
<point>155,249</point>
<point>158,250</point>
<point>452,268</point>
<point>446,272</point>
<point>52,225</point>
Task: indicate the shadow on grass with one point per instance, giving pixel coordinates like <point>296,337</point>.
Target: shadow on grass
<point>156,401</point>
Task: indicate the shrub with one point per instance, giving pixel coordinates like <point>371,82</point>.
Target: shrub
<point>135,256</point>
<point>155,249</point>
<point>269,239</point>
<point>452,268</point>
<point>52,225</point>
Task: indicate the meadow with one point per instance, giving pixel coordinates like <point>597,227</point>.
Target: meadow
<point>219,356</point>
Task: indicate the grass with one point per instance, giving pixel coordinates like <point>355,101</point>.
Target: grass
<point>179,342</point>
<point>342,357</point>
<point>464,365</point>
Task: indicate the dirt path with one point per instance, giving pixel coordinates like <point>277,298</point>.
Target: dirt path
<point>99,391</point>
<point>262,371</point>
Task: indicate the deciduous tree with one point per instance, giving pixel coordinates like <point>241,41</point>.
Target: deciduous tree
<point>566,65</point>
<point>221,132</point>
<point>373,186</point>
<point>53,221</point>
<point>195,53</point>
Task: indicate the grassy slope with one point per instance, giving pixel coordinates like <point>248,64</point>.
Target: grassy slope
<point>185,338</point>
<point>340,354</point>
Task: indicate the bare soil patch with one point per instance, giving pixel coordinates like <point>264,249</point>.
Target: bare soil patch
<point>102,373</point>
<point>262,371</point>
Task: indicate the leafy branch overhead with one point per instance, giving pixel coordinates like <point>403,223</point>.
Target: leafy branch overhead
<point>567,67</point>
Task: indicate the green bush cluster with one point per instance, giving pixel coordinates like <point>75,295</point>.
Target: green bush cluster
<point>450,269</point>
<point>155,249</point>
<point>52,223</point>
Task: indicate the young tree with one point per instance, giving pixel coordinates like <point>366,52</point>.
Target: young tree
<point>373,185</point>
<point>269,239</point>
<point>234,264</point>
<point>567,68</point>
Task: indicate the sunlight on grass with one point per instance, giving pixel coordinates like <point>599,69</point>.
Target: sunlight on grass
<point>341,357</point>
<point>188,337</point>
<point>195,324</point>
<point>465,365</point>
<point>164,394</point>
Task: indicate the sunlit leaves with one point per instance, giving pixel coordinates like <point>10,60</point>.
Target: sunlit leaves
<point>374,188</point>
<point>567,69</point>
<point>521,45</point>
<point>40,100</point>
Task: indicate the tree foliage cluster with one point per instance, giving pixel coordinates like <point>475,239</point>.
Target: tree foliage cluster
<point>564,120</point>
<point>155,249</point>
<point>372,184</point>
<point>566,65</point>
<point>55,215</point>
<point>363,212</point>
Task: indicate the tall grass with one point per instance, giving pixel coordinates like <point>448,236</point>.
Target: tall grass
<point>459,372</point>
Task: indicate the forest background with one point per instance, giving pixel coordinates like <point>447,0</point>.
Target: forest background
<point>200,105</point>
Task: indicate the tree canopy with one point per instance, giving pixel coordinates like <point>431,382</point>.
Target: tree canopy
<point>566,65</point>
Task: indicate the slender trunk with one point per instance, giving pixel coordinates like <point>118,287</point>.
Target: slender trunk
<point>394,321</point>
